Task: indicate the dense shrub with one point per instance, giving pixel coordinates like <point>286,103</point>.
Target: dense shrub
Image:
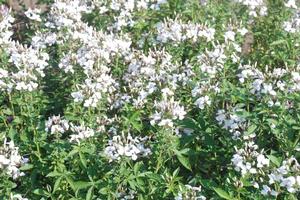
<point>150,99</point>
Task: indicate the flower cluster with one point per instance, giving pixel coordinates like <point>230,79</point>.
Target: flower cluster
<point>286,176</point>
<point>249,160</point>
<point>10,159</point>
<point>137,66</point>
<point>126,194</point>
<point>17,197</point>
<point>231,121</point>
<point>124,11</point>
<point>256,7</point>
<point>33,14</point>
<point>81,133</point>
<point>94,51</point>
<point>190,192</point>
<point>57,125</point>
<point>165,107</point>
<point>270,179</point>
<point>176,31</point>
<point>155,75</point>
<point>28,62</point>
<point>6,21</point>
<point>293,25</point>
<point>126,146</point>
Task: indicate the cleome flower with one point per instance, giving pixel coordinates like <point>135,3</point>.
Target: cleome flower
<point>126,146</point>
<point>10,159</point>
<point>56,124</point>
<point>33,14</point>
<point>190,192</point>
<point>80,133</point>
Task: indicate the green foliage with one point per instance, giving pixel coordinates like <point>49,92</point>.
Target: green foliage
<point>196,151</point>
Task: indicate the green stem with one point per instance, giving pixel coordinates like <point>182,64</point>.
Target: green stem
<point>11,104</point>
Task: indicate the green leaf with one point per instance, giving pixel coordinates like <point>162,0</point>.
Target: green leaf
<point>26,167</point>
<point>189,123</point>
<point>56,184</point>
<point>134,120</point>
<point>73,152</point>
<point>41,192</point>
<point>17,120</point>
<point>23,137</point>
<point>154,176</point>
<point>222,193</point>
<point>278,42</point>
<point>104,191</point>
<point>184,151</point>
<point>54,174</point>
<point>89,194</point>
<point>132,184</point>
<point>296,127</point>
<point>82,184</point>
<point>12,132</point>
<point>290,197</point>
<point>71,183</point>
<point>175,173</point>
<point>82,159</point>
<point>251,129</point>
<point>184,161</point>
<point>274,160</point>
<point>246,182</point>
<point>7,111</point>
<point>137,167</point>
<point>207,183</point>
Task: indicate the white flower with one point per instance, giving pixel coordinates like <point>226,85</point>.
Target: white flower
<point>256,185</point>
<point>274,193</point>
<point>266,190</point>
<point>289,183</point>
<point>229,35</point>
<point>243,31</point>
<point>177,31</point>
<point>263,11</point>
<point>268,89</point>
<point>78,96</point>
<point>256,86</point>
<point>167,92</point>
<point>56,124</point>
<point>81,133</point>
<point>10,160</point>
<point>155,117</point>
<point>288,27</point>
<point>166,122</point>
<point>33,14</point>
<point>17,197</point>
<point>262,161</point>
<point>128,146</point>
<point>178,112</point>
<point>202,101</point>
<point>291,4</point>
<point>221,116</point>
